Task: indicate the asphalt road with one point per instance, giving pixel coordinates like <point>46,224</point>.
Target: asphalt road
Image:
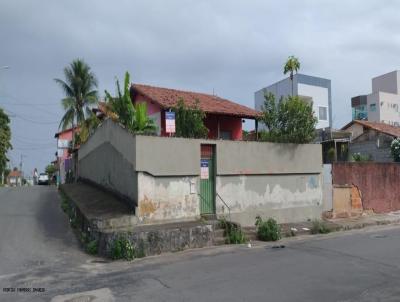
<point>37,250</point>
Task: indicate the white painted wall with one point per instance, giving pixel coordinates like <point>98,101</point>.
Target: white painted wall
<point>387,108</point>
<point>389,105</point>
<point>320,98</point>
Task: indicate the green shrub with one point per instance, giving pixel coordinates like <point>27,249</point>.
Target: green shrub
<point>360,157</point>
<point>395,149</point>
<point>233,232</point>
<point>319,227</point>
<point>92,247</point>
<point>122,248</point>
<point>268,230</point>
<point>331,154</point>
<point>65,206</point>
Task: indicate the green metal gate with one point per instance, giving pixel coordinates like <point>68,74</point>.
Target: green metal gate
<point>207,179</point>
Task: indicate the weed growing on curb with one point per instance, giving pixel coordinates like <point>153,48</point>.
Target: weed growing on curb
<point>92,247</point>
<point>233,232</point>
<point>319,227</point>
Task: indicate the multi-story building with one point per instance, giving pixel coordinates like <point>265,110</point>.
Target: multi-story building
<point>314,90</point>
<point>382,105</point>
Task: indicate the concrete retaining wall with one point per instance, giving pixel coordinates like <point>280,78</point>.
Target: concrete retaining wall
<point>376,182</point>
<point>157,241</point>
<point>161,175</point>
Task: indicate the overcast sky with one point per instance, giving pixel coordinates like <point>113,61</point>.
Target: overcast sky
<point>233,47</point>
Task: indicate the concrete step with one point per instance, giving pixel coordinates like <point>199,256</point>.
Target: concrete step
<point>212,217</point>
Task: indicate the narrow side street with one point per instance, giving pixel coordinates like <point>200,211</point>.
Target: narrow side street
<point>34,232</point>
<point>38,250</point>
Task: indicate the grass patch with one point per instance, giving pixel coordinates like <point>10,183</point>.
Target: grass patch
<point>319,227</point>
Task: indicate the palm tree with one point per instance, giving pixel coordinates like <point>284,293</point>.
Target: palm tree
<point>292,65</point>
<point>120,108</point>
<point>80,90</point>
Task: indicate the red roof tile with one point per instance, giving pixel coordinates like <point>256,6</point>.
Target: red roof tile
<point>168,98</point>
<point>14,174</point>
<point>380,127</point>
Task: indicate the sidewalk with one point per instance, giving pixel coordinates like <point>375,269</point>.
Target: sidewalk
<point>344,224</point>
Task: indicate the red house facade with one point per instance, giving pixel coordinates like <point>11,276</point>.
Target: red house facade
<point>223,117</point>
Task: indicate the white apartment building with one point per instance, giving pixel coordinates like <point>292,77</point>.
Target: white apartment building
<point>315,90</point>
<point>382,105</point>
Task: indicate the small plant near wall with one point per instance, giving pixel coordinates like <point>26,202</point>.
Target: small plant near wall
<point>92,247</point>
<point>233,232</point>
<point>395,149</point>
<point>122,248</point>
<point>268,230</point>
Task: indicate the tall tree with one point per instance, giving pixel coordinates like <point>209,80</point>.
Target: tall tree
<point>121,108</point>
<point>189,121</point>
<point>290,121</point>
<point>79,87</point>
<point>292,65</point>
<point>5,141</point>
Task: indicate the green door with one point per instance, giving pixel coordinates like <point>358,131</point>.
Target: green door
<point>207,180</point>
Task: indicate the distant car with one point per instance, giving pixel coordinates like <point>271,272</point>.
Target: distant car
<point>43,179</point>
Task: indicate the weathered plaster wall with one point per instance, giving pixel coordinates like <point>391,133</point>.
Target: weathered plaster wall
<point>287,198</point>
<point>167,198</point>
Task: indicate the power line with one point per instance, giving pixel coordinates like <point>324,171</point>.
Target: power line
<point>30,120</point>
<point>26,103</point>
<point>34,148</point>
<point>21,138</point>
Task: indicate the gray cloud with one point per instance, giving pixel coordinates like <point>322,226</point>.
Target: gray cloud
<point>233,47</point>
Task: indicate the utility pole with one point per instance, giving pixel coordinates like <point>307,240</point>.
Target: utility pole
<point>20,166</point>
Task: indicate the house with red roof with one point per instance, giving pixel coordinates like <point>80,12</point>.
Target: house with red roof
<point>64,157</point>
<point>14,178</point>
<point>372,139</point>
<point>224,118</point>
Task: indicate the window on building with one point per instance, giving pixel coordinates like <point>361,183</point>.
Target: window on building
<point>225,135</point>
<point>323,113</point>
<point>372,107</point>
